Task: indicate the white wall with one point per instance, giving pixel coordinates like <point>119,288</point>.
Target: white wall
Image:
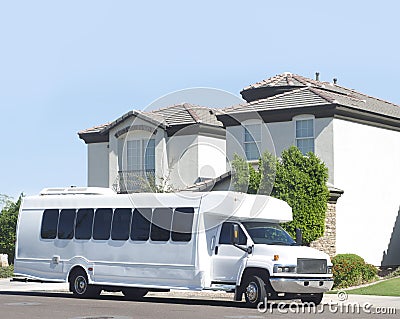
<point>212,156</point>
<point>367,168</point>
<point>182,153</point>
<point>98,164</point>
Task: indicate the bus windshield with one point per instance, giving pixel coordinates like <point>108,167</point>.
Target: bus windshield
<point>268,233</point>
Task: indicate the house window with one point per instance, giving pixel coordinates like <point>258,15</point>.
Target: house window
<point>252,141</point>
<point>305,135</point>
<point>141,155</point>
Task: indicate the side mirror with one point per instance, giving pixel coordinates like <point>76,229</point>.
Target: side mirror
<point>235,234</point>
<point>299,237</point>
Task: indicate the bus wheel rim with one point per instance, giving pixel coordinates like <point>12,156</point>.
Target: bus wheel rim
<point>80,284</point>
<point>252,292</point>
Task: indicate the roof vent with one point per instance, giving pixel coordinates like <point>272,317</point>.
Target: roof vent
<point>335,81</point>
<point>77,191</point>
<point>316,76</point>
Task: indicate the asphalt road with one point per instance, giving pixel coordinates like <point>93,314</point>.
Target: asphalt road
<point>19,305</point>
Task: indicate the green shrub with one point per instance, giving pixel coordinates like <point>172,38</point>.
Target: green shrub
<point>297,179</point>
<point>395,273</point>
<point>370,273</point>
<point>6,272</point>
<point>351,270</point>
<point>8,223</point>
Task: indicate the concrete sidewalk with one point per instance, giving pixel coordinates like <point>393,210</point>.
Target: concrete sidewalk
<point>329,299</point>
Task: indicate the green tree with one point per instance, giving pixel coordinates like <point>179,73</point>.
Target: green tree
<point>8,223</point>
<point>240,174</point>
<point>297,179</point>
<point>301,182</point>
<point>267,165</point>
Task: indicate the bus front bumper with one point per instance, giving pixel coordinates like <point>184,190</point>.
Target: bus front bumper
<point>301,285</point>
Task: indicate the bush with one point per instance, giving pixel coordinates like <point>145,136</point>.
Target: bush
<point>6,272</point>
<point>8,223</point>
<point>351,270</point>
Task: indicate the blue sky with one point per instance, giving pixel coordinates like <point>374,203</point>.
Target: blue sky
<point>69,65</point>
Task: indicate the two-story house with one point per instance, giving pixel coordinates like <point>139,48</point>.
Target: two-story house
<point>171,147</point>
<point>190,147</point>
<point>356,135</point>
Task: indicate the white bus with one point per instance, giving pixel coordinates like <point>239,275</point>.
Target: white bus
<point>135,243</point>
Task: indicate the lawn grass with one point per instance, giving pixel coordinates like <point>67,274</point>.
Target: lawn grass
<point>7,272</point>
<point>390,287</point>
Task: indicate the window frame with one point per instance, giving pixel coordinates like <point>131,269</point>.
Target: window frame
<point>114,226</point>
<point>182,236</point>
<point>71,235</point>
<point>106,230</point>
<point>91,210</point>
<point>157,232</point>
<point>228,225</point>
<point>142,161</point>
<point>303,118</point>
<point>249,130</point>
<point>44,219</point>
<point>132,235</point>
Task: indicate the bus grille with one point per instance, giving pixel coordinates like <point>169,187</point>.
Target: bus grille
<point>311,266</point>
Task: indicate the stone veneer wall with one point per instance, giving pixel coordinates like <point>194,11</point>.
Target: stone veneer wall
<point>327,243</point>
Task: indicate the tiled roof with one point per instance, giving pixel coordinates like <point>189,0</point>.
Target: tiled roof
<point>94,129</point>
<point>296,98</point>
<point>186,113</point>
<point>311,92</point>
<point>179,114</point>
<point>287,79</point>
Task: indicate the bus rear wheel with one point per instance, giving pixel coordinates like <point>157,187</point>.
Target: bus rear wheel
<point>134,293</point>
<point>79,285</point>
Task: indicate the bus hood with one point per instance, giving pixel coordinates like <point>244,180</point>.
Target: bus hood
<point>287,255</point>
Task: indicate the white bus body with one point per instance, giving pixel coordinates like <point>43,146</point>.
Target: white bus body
<point>97,240</point>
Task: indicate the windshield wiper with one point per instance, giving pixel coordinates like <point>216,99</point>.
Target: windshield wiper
<point>280,243</point>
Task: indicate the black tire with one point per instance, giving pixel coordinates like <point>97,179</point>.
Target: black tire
<point>254,291</point>
<point>313,298</point>
<point>79,285</point>
<point>134,293</point>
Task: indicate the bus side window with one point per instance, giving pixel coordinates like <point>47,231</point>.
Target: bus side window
<point>226,232</point>
<point>84,222</point>
<point>102,224</point>
<point>182,224</point>
<point>161,224</point>
<point>140,228</point>
<point>66,224</point>
<point>121,224</point>
<point>49,224</point>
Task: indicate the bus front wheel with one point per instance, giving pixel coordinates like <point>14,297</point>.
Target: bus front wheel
<point>255,291</point>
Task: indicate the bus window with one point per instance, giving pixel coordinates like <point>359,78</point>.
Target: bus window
<point>83,225</point>
<point>226,232</point>
<point>121,224</point>
<point>66,224</point>
<point>182,224</point>
<point>102,223</point>
<point>161,224</point>
<point>141,224</point>
<point>49,224</point>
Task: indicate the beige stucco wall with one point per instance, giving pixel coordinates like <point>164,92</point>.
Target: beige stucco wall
<point>279,136</point>
<point>98,166</point>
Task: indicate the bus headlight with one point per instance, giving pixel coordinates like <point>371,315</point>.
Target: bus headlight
<point>284,269</point>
